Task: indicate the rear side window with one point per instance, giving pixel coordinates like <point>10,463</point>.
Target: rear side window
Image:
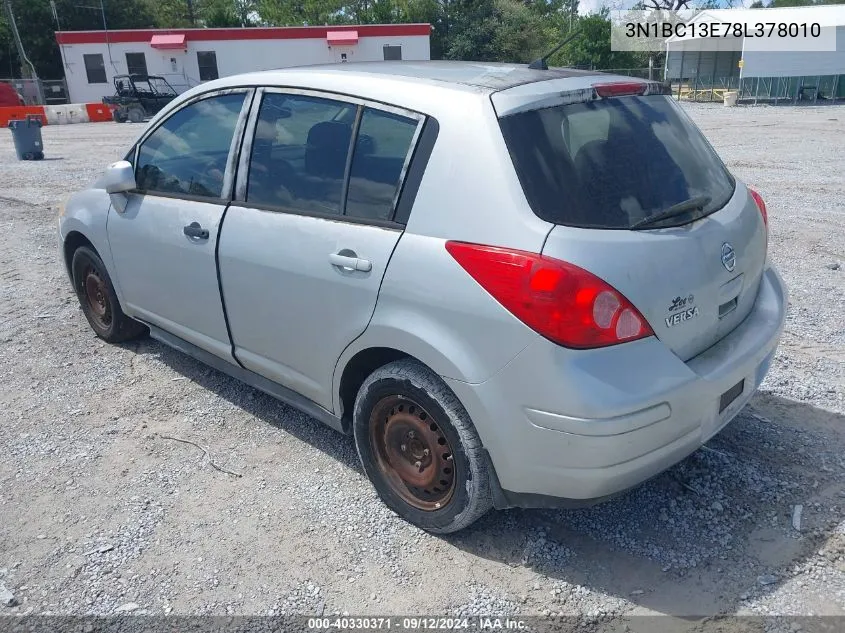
<point>301,150</point>
<point>299,153</point>
<point>384,140</point>
<point>610,163</point>
<point>188,153</point>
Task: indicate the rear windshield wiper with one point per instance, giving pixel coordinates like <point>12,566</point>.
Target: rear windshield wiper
<point>693,204</point>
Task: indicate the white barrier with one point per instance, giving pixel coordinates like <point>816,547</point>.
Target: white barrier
<point>66,113</point>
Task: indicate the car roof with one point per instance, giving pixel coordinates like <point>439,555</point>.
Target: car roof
<point>473,76</point>
<point>426,87</point>
<point>491,75</point>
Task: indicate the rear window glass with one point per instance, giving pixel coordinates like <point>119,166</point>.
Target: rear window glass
<point>610,163</point>
<point>384,140</point>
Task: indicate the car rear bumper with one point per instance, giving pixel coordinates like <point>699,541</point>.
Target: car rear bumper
<point>587,424</point>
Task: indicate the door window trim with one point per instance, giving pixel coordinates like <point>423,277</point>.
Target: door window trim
<point>234,146</point>
<point>242,171</point>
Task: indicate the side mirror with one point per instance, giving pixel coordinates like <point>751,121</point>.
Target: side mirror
<point>119,177</point>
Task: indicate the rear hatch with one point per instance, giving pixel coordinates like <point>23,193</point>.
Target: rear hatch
<point>640,199</point>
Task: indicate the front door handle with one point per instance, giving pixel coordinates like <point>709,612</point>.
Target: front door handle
<point>349,261</point>
<point>195,230</point>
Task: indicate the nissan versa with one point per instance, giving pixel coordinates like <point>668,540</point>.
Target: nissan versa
<point>513,286</point>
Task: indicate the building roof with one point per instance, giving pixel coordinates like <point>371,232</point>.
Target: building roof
<point>250,33</point>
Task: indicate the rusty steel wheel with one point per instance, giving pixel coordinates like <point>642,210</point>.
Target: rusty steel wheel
<point>98,300</point>
<point>412,453</point>
<point>96,293</point>
<point>419,448</point>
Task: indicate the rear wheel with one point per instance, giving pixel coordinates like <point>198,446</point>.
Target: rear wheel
<point>118,116</point>
<point>98,300</point>
<point>420,449</point>
<point>136,115</point>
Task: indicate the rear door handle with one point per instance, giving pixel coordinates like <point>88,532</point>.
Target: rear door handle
<point>195,230</point>
<point>350,262</point>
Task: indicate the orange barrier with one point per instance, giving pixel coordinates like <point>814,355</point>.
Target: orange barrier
<point>11,113</point>
<point>98,112</point>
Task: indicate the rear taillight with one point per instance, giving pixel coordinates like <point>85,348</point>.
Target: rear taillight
<point>561,301</point>
<point>760,205</point>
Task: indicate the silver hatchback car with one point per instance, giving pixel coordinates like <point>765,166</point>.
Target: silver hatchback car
<point>514,287</point>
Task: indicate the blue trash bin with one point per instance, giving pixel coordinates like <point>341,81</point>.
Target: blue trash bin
<point>27,136</point>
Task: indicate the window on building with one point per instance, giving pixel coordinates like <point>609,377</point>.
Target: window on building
<point>188,153</point>
<point>95,68</point>
<point>207,62</point>
<point>299,153</point>
<point>136,64</point>
<point>392,53</point>
<point>383,143</point>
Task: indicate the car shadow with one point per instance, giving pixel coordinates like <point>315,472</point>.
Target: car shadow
<point>710,535</point>
<point>705,537</point>
<point>264,407</point>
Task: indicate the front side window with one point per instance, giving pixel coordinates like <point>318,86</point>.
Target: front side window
<point>188,153</point>
<point>95,68</point>
<point>610,163</point>
<point>384,140</point>
<point>299,153</point>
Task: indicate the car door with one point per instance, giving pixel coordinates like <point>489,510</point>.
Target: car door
<point>311,230</point>
<point>163,244</point>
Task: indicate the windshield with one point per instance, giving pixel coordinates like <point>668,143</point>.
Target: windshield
<point>161,86</point>
<point>611,163</point>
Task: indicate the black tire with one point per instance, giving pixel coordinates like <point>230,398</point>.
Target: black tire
<point>118,116</point>
<point>136,115</point>
<point>39,155</point>
<point>98,300</point>
<point>424,396</point>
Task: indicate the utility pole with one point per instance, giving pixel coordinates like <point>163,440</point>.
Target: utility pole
<point>7,5</point>
<point>58,28</point>
<point>102,11</point>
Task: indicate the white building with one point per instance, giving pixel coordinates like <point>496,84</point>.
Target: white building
<point>186,57</point>
<point>732,61</point>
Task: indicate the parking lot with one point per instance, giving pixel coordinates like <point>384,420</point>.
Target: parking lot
<point>99,511</point>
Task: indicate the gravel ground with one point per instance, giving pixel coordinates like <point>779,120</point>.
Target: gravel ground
<point>101,514</point>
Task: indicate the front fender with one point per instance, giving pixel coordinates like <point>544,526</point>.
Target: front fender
<point>86,212</point>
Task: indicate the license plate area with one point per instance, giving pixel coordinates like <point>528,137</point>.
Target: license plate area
<point>730,395</point>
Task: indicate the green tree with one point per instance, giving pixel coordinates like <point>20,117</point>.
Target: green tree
<point>38,29</point>
<point>519,34</point>
<point>591,49</point>
<point>229,13</point>
<point>302,12</point>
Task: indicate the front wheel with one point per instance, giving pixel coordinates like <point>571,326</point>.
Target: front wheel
<point>98,300</point>
<point>419,448</point>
